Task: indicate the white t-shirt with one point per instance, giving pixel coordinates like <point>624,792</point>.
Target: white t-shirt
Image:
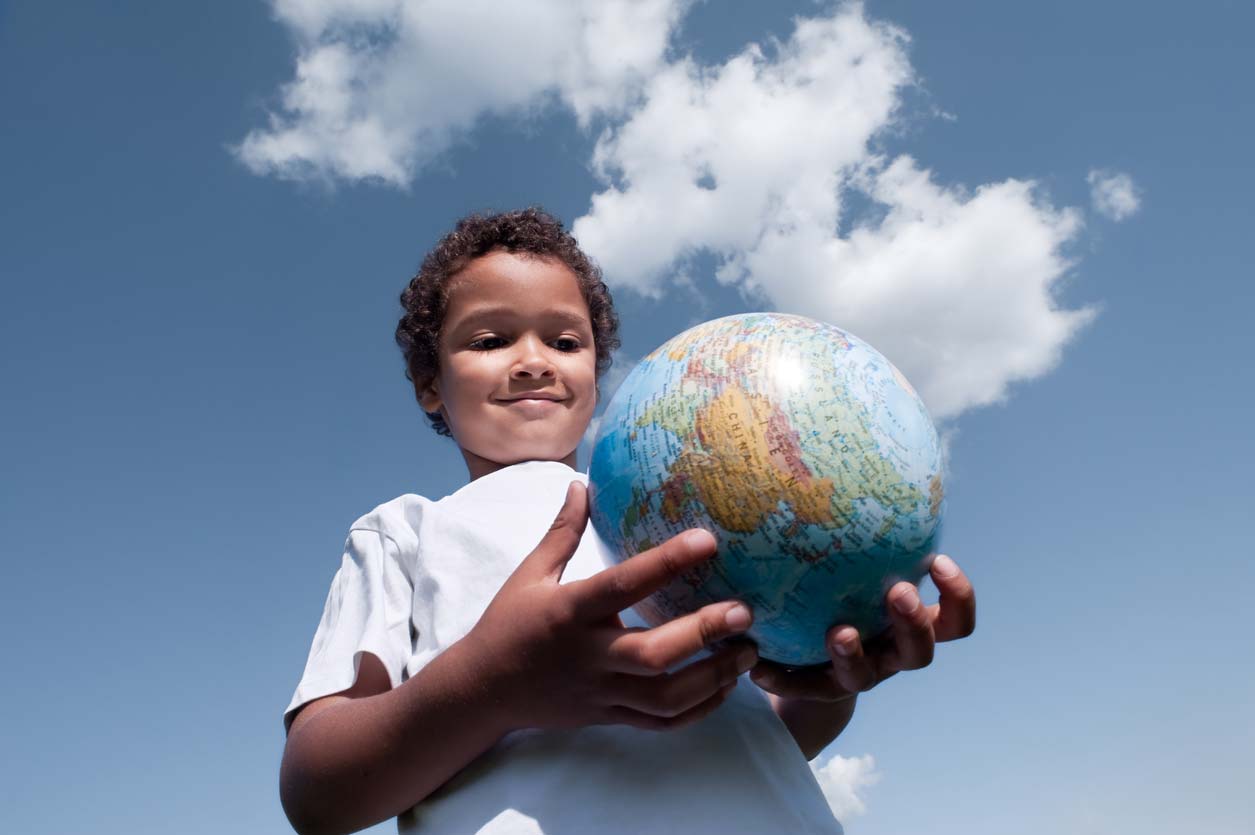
<point>416,576</point>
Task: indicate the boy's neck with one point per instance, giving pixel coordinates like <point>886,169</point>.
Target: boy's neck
<point>477,466</point>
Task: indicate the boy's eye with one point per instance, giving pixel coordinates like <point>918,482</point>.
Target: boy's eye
<point>565,344</point>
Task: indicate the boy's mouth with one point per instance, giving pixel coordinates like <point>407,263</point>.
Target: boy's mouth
<point>534,395</point>
<point>532,406</point>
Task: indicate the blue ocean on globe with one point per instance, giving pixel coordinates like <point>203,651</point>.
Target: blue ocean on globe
<point>806,453</point>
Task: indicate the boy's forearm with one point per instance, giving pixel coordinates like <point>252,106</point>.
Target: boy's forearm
<point>813,724</point>
<point>362,761</point>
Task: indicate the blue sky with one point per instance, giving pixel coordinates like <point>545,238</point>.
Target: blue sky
<point>201,390</point>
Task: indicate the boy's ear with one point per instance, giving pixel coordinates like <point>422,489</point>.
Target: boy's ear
<point>429,396</point>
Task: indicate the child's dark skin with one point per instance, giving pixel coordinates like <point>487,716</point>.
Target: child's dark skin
<point>550,655</point>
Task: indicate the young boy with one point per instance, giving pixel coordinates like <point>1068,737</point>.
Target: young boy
<point>465,678</point>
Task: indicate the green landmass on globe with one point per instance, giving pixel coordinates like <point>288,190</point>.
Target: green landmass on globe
<point>805,452</point>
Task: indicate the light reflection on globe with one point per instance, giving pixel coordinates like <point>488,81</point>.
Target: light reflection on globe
<point>804,451</point>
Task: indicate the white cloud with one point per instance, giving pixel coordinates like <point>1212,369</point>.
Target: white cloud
<point>954,288</point>
<point>716,157</point>
<point>383,86</point>
<point>771,161</point>
<point>1114,194</point>
<point>755,160</point>
<point>843,779</point>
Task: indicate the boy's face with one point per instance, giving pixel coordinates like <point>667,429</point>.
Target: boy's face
<point>517,377</point>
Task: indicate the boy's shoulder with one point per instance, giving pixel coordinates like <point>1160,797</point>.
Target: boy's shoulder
<point>522,485</point>
<point>398,519</point>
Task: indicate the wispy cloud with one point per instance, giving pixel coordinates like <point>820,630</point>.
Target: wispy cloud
<point>843,780</point>
<point>772,161</point>
<point>381,87</point>
<point>757,160</point>
<point>1114,194</point>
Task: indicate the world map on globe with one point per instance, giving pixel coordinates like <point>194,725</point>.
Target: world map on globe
<point>802,448</point>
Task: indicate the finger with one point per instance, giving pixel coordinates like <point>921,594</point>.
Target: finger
<point>955,615</point>
<point>810,683</point>
<point>852,667</point>
<point>672,694</point>
<point>913,642</point>
<point>549,558</point>
<point>611,591</point>
<point>654,651</point>
<point>646,721</point>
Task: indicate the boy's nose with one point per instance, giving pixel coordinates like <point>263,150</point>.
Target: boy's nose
<point>531,361</point>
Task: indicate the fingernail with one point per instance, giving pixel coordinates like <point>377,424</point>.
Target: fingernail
<point>906,603</point>
<point>841,648</point>
<point>699,539</point>
<point>738,617</point>
<point>746,658</point>
<point>945,566</point>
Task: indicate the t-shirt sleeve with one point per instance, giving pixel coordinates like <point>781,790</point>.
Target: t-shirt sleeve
<point>368,610</point>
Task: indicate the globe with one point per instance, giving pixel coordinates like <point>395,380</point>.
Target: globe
<point>801,448</point>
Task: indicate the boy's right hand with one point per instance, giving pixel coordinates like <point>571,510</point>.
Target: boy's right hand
<point>558,656</point>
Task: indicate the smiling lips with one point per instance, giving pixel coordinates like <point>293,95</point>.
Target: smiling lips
<point>533,396</point>
<point>534,407</point>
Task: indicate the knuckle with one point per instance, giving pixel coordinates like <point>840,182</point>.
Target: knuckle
<point>965,596</point>
<point>729,667</point>
<point>668,695</point>
<point>680,719</point>
<point>668,711</point>
<point>673,722</point>
<point>650,723</point>
<point>561,611</point>
<point>619,584</point>
<point>670,560</point>
<point>926,655</point>
<point>561,522</point>
<point>920,618</point>
<point>651,659</point>
<point>673,700</point>
<point>710,628</point>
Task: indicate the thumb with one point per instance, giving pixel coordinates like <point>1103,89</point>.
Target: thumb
<point>549,559</point>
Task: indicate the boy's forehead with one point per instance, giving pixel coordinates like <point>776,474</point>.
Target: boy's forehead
<point>504,286</point>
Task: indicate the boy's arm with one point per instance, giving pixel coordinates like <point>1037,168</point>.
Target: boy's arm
<point>816,703</point>
<point>370,753</point>
<point>813,724</point>
<point>543,655</point>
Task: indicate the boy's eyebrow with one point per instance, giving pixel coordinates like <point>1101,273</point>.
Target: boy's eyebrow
<point>568,317</point>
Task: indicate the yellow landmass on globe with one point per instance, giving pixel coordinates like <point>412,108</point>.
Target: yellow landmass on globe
<point>741,457</point>
<point>743,439</point>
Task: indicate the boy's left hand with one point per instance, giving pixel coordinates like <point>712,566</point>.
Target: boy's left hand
<point>907,645</point>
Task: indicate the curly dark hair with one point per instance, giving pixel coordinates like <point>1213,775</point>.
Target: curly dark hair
<point>532,231</point>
